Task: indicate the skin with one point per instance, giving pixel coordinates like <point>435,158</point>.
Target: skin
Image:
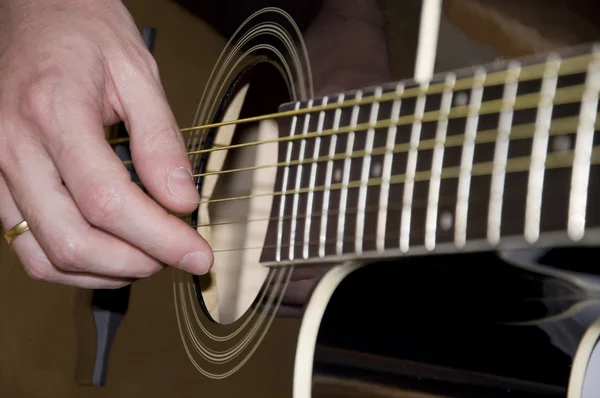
<point>67,69</point>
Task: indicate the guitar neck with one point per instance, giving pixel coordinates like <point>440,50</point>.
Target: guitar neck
<point>498,155</point>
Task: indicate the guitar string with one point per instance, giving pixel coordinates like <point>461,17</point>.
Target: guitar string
<point>595,159</point>
<point>523,131</point>
<point>527,101</point>
<point>559,126</point>
<point>554,160</point>
<point>569,66</point>
<point>394,207</point>
<point>352,238</point>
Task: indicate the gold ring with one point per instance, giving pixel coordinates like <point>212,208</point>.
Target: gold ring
<point>15,231</point>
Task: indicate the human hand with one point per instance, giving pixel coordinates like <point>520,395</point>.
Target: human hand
<point>67,69</point>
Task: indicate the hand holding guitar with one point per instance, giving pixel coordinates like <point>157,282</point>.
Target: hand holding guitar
<point>67,69</point>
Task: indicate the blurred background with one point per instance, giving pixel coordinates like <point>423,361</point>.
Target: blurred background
<point>40,348</point>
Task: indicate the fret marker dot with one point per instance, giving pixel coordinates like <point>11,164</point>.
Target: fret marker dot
<point>561,143</point>
<point>376,171</point>
<point>446,220</point>
<point>461,99</point>
<point>337,175</point>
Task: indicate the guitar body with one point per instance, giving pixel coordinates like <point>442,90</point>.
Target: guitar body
<point>367,244</point>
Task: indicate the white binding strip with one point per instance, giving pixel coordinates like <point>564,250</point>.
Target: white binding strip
<point>411,168</point>
<point>339,245</point>
<point>328,178</point>
<point>583,150</point>
<point>539,150</point>
<point>286,171</point>
<point>364,176</point>
<point>298,183</point>
<point>466,162</point>
<point>501,153</point>
<point>313,178</point>
<point>386,171</point>
<point>309,329</point>
<point>437,164</point>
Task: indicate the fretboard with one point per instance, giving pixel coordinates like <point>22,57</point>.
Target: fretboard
<point>497,155</point>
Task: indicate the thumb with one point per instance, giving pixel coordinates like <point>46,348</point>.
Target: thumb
<point>157,146</point>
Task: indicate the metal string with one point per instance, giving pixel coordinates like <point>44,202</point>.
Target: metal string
<point>417,204</point>
<point>518,132</point>
<point>347,238</point>
<point>569,66</point>
<point>554,160</point>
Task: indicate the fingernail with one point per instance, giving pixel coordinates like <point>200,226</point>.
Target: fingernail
<point>181,185</point>
<point>197,263</point>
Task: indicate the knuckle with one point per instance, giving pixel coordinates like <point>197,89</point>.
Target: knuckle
<point>102,204</point>
<point>65,257</point>
<point>37,95</point>
<point>152,67</point>
<point>39,270</point>
<point>143,61</point>
<point>149,271</point>
<point>163,140</point>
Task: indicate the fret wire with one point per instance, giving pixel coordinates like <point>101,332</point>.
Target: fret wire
<point>365,171</point>
<point>411,166</point>
<point>386,170</point>
<point>539,149</point>
<point>466,164</point>
<point>312,183</point>
<point>346,176</point>
<point>501,153</point>
<point>437,164</point>
<point>286,170</point>
<point>299,171</point>
<point>328,179</point>
<point>553,160</point>
<point>583,144</point>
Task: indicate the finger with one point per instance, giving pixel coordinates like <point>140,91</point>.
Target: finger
<point>70,242</point>
<point>157,147</point>
<point>33,258</point>
<point>109,200</point>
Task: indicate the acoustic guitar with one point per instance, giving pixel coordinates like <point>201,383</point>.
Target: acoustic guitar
<point>429,236</point>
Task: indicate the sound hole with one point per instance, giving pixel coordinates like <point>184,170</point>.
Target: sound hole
<point>238,193</point>
<point>591,382</point>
